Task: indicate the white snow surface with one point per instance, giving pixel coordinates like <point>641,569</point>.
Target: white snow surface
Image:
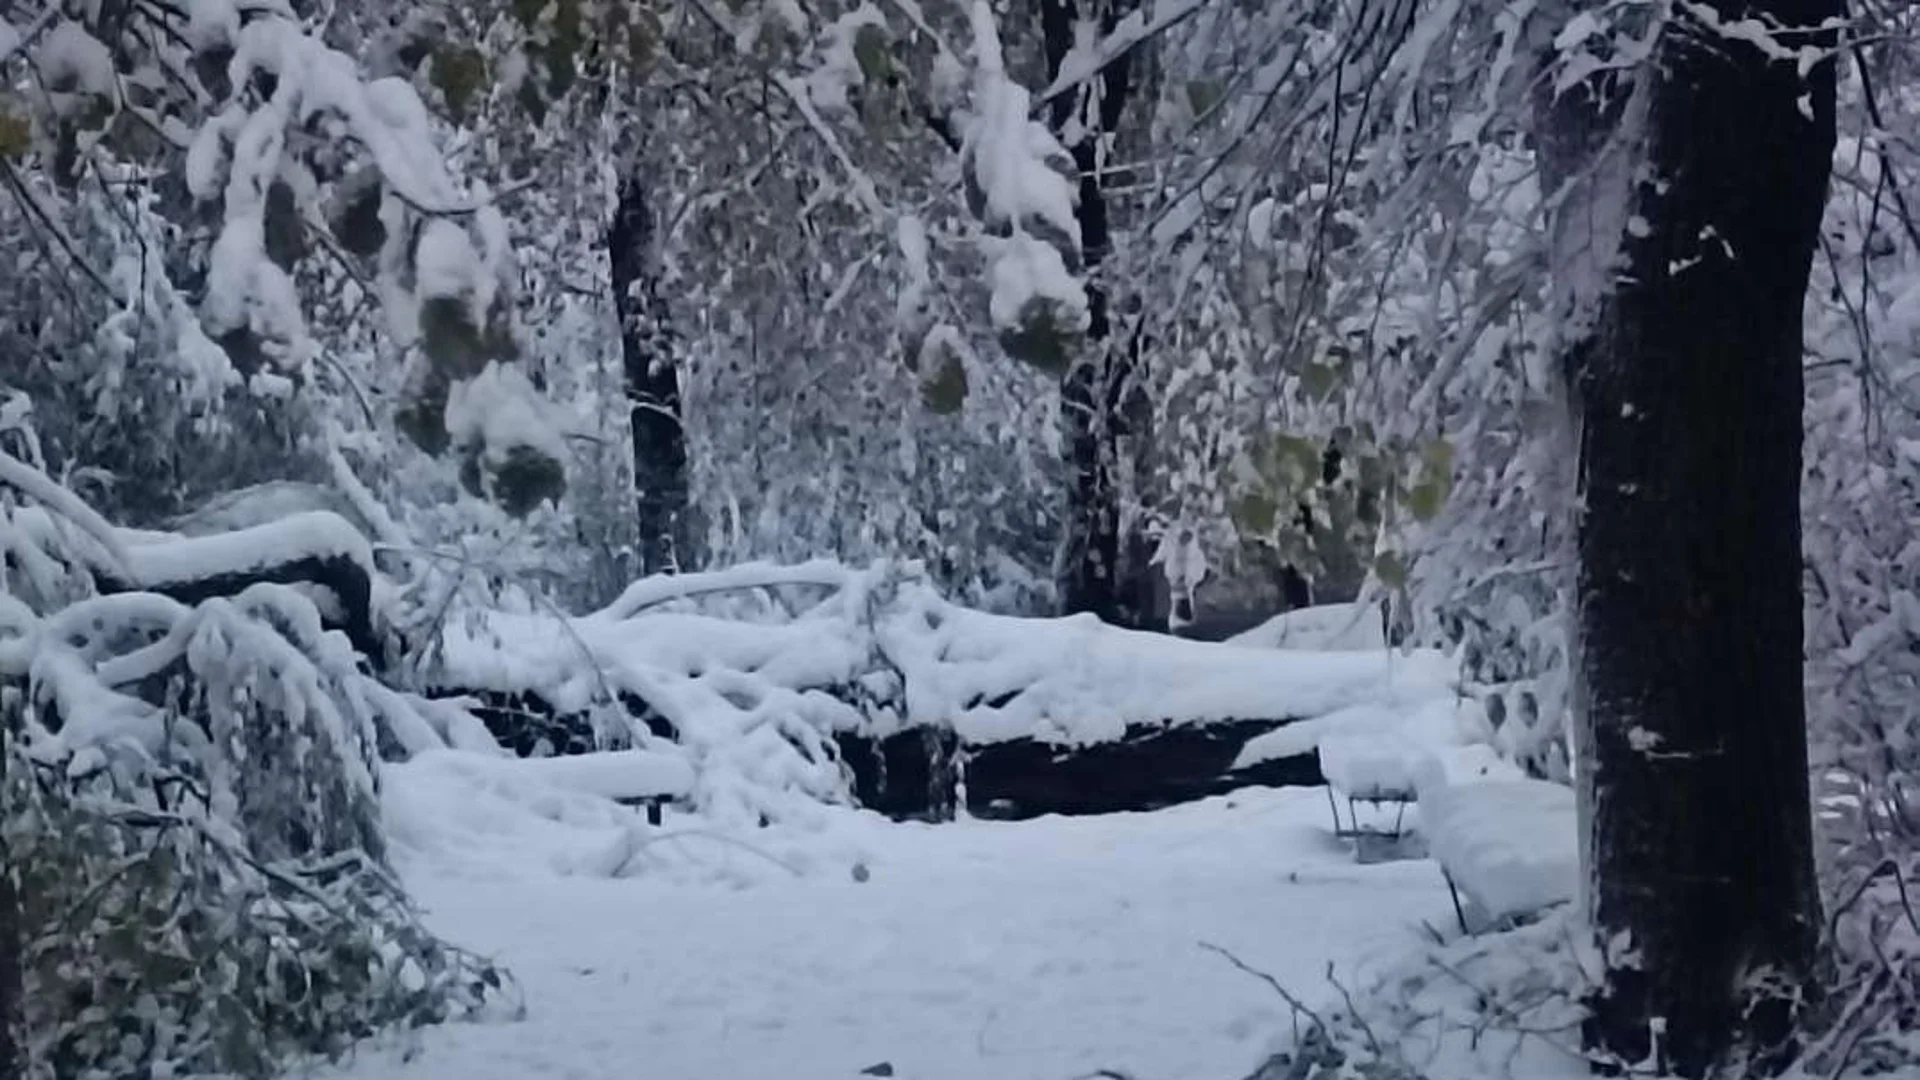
<point>1038,950</point>
<point>311,533</point>
<point>1511,846</point>
<point>1326,627</point>
<point>1384,754</point>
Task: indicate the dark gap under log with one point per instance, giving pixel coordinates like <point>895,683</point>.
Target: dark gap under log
<point>917,773</point>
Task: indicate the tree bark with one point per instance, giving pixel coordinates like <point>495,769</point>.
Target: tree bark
<point>653,385</point>
<point>1093,396</point>
<point>1687,391</point>
<point>11,1067</point>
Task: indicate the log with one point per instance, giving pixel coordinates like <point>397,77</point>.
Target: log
<point>917,773</point>
<point>315,548</point>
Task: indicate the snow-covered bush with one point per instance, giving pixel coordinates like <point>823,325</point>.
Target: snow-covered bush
<point>191,819</point>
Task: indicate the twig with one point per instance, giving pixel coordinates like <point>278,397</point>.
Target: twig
<point>718,838</point>
<point>1298,1006</point>
<point>1353,1010</point>
<point>33,30</point>
<point>33,207</point>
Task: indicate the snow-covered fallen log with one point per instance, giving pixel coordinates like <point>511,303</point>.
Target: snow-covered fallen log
<point>1078,681</point>
<point>880,691</point>
<point>317,551</point>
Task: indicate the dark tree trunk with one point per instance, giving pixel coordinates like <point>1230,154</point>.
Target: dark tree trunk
<point>1688,684</point>
<point>1094,394</point>
<point>10,943</point>
<point>653,385</point>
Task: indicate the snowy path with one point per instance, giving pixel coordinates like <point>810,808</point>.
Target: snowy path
<point>979,951</point>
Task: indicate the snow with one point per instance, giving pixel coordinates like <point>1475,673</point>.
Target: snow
<point>838,71</point>
<point>1025,270</point>
<point>971,951</point>
<point>1382,753</point>
<point>1326,627</point>
<point>1077,680</point>
<point>499,409</point>
<point>71,58</point>
<point>315,533</point>
<point>212,23</point>
<point>446,263</point>
<point>1510,846</point>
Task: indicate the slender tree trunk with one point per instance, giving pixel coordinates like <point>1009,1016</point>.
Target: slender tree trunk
<point>653,385</point>
<point>11,1066</point>
<point>1097,554</point>
<point>1687,390</point>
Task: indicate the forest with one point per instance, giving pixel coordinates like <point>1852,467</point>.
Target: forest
<point>833,538</point>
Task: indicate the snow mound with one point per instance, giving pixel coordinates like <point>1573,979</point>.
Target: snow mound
<point>1381,745</point>
<point>1510,846</point>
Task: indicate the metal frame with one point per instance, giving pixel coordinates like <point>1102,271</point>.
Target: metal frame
<point>1353,829</point>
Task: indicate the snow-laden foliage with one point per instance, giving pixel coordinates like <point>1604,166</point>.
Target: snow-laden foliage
<point>192,818</point>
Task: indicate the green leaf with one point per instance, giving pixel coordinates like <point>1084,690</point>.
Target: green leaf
<point>1203,95</point>
<point>1319,380</point>
<point>1390,570</point>
<point>1424,500</point>
<point>1042,337</point>
<point>871,51</point>
<point>459,72</point>
<point>1293,463</point>
<point>16,136</point>
<point>526,479</point>
<point>1429,493</point>
<point>1254,514</point>
<point>943,383</point>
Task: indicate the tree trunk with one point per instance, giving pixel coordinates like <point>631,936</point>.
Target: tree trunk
<point>653,385</point>
<point>1092,396</point>
<point>1686,382</point>
<point>11,1066</point>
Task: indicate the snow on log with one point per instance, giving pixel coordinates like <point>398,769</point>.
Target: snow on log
<point>1078,681</point>
<point>316,548</point>
<point>881,691</point>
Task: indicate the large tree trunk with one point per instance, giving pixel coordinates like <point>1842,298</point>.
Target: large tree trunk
<point>1686,380</point>
<point>1094,393</point>
<point>653,385</point>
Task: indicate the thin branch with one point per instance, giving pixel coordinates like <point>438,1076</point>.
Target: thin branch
<point>33,207</point>
<point>1298,1006</point>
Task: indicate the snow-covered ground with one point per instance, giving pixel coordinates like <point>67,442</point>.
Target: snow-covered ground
<point>1039,950</point>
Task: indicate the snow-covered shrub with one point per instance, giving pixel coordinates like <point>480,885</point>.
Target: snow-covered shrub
<point>191,818</point>
<point>1499,1005</point>
<point>157,944</point>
